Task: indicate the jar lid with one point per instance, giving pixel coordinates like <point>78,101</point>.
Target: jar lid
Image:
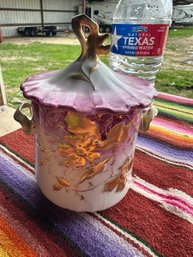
<point>88,85</point>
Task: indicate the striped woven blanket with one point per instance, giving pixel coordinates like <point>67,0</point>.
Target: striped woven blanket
<point>154,219</point>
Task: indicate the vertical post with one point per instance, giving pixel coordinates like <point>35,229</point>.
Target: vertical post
<point>1,35</point>
<point>83,6</point>
<point>3,100</point>
<point>42,12</point>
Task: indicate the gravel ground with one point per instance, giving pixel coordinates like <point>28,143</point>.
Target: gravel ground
<point>60,38</point>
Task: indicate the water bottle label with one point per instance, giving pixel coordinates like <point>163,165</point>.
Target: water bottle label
<point>139,40</point>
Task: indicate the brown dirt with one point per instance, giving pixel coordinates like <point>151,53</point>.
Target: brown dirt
<point>61,38</point>
<point>176,59</point>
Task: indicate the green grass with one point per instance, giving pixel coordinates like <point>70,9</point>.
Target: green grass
<point>181,32</point>
<point>21,61</point>
<point>177,78</point>
<point>175,82</point>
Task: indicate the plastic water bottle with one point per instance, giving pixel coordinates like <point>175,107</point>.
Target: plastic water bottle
<point>139,34</point>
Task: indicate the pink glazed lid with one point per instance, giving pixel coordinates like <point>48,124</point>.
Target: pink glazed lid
<point>87,85</point>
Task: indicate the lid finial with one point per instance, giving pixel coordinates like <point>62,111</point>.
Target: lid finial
<point>93,44</point>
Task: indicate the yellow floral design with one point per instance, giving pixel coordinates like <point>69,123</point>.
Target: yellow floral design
<point>120,181</point>
<point>79,147</point>
<point>83,145</point>
<point>93,170</point>
<point>62,182</point>
<point>117,135</point>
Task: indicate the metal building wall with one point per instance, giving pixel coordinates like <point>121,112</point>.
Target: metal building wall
<point>16,13</point>
<point>60,11</point>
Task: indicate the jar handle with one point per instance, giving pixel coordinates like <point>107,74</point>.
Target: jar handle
<point>27,124</point>
<point>147,117</point>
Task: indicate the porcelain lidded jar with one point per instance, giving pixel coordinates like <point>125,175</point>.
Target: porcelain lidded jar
<point>85,119</point>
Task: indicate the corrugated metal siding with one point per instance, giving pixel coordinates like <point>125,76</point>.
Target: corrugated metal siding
<point>33,4</point>
<point>9,31</point>
<point>71,8</point>
<point>50,17</point>
<point>12,17</point>
<point>58,11</point>
<point>61,4</point>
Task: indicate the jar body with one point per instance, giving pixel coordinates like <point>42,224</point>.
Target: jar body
<point>84,162</point>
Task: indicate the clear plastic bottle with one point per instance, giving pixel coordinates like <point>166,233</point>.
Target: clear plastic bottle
<point>139,34</point>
